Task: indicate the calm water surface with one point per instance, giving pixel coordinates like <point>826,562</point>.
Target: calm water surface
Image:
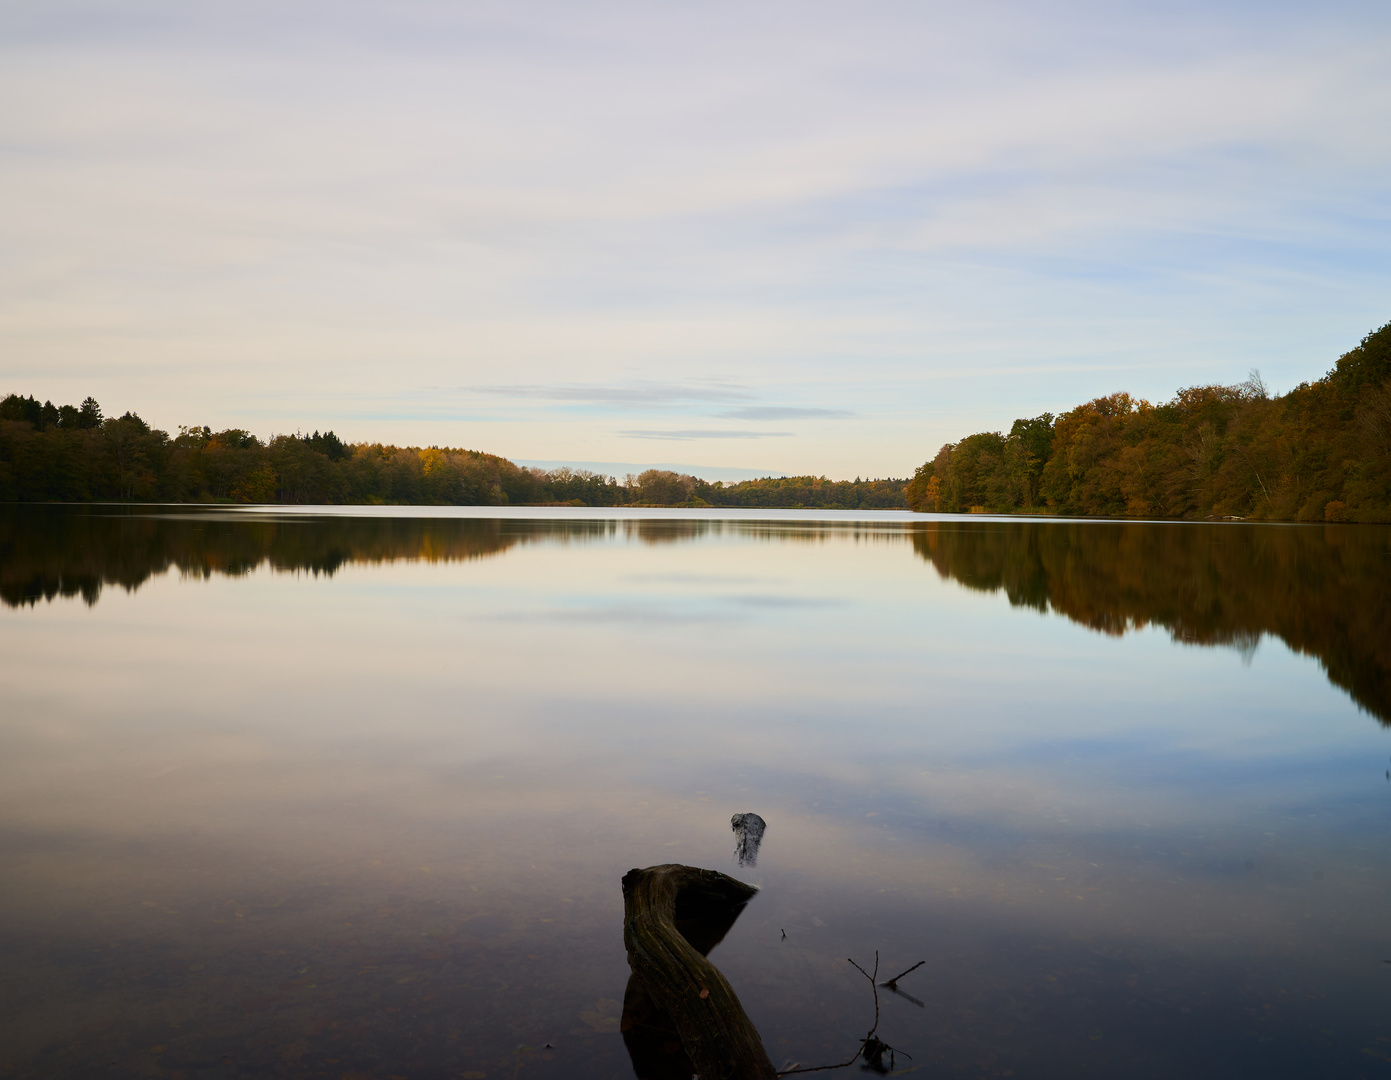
<point>350,794</point>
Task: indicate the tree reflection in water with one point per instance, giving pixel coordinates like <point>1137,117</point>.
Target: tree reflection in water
<point>1323,590</point>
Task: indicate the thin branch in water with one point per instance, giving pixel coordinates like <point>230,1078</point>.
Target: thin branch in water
<point>892,984</point>
<point>874,986</point>
<point>822,1068</point>
<point>871,1048</point>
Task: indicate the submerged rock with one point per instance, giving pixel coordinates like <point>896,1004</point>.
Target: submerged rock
<point>748,834</point>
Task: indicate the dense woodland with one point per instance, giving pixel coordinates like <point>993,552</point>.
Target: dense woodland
<point>75,454</point>
<point>1321,452</point>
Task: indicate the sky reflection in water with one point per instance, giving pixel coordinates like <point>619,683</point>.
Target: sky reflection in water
<point>341,795</point>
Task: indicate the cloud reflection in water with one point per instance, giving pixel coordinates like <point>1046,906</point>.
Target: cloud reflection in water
<point>368,773</point>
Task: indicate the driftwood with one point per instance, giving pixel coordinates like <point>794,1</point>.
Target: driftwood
<point>672,916</point>
<point>651,1037</point>
<point>872,1048</point>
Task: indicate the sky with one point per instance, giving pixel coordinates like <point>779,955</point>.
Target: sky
<point>782,237</point>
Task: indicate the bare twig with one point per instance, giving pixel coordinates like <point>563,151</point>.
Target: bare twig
<point>822,1068</point>
<point>871,1048</point>
<point>892,984</point>
<point>873,985</point>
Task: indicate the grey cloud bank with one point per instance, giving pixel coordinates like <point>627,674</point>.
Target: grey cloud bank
<point>641,394</point>
<point>703,433</point>
<point>779,412</point>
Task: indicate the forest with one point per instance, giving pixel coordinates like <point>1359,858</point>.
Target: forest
<point>1321,452</point>
<point>73,453</point>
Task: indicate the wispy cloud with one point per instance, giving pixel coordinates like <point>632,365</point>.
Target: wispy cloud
<point>632,394</point>
<point>703,433</point>
<point>780,412</point>
<point>914,220</point>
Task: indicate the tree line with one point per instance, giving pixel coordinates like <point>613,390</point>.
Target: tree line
<point>1321,452</point>
<point>76,454</point>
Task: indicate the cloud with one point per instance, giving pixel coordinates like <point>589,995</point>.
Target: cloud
<point>779,412</point>
<point>704,433</point>
<point>919,220</point>
<point>633,394</point>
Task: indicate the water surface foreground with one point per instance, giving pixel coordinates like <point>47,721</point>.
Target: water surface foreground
<point>350,794</point>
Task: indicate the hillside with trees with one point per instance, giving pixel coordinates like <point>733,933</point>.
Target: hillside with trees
<point>1321,452</point>
<point>75,454</point>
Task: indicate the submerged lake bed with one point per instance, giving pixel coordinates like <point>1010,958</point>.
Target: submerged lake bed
<point>311,792</point>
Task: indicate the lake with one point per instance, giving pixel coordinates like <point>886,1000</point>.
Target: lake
<point>311,792</point>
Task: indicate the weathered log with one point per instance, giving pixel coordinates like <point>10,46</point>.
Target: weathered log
<point>653,1043</point>
<point>672,916</point>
